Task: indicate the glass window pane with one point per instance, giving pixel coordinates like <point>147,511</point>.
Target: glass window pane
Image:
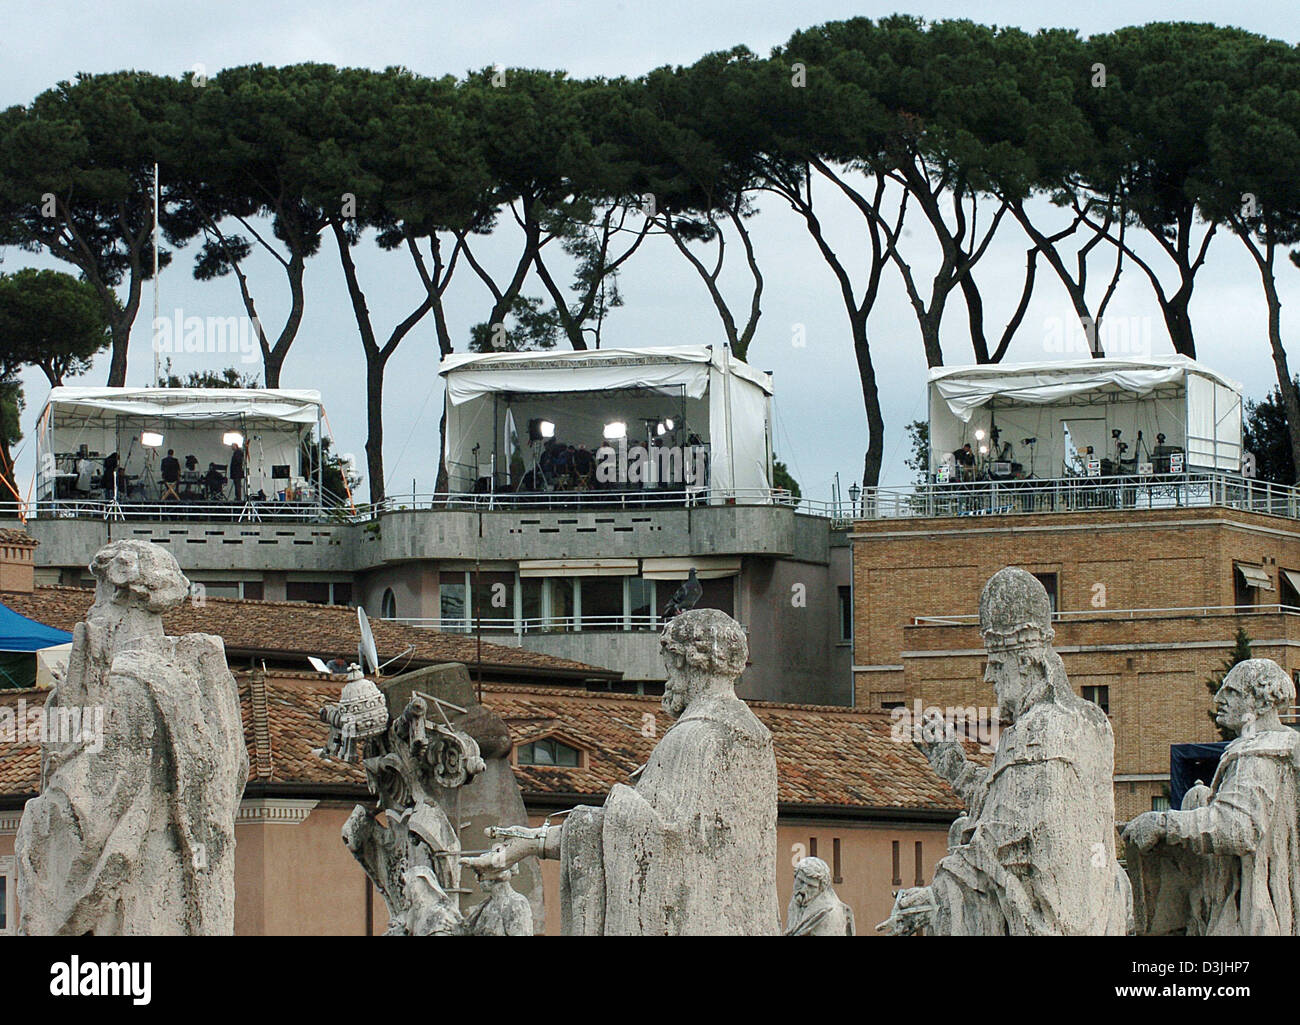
<point>718,594</point>
<point>530,589</point>
<point>565,755</point>
<point>641,597</point>
<point>561,600</point>
<point>451,598</point>
<point>602,602</point>
<point>315,591</point>
<point>494,596</point>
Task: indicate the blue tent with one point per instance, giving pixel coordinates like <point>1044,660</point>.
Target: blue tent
<point>18,633</point>
<point>1190,762</point>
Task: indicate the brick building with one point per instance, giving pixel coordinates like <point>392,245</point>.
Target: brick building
<point>1147,601</point>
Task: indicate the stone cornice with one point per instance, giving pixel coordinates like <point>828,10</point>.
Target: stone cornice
<point>274,811</point>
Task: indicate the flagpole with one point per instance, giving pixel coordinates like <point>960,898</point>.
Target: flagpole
<point>154,333</point>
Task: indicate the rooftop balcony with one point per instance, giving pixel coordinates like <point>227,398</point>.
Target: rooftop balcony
<point>1075,494</point>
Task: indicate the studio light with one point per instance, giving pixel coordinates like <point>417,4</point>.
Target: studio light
<point>979,435</point>
<point>151,439</point>
<point>668,422</point>
<point>232,438</point>
<point>984,450</point>
<point>615,430</point>
<point>661,430</point>
<point>540,430</point>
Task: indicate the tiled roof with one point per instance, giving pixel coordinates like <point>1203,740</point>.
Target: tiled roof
<point>17,536</point>
<point>302,629</point>
<point>826,757</point>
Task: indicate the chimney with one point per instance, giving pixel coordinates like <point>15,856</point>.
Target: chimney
<point>17,560</point>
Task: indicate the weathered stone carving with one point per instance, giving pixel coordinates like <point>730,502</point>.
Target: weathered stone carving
<point>413,857</point>
<point>815,908</point>
<point>691,849</point>
<point>137,837</point>
<point>1228,862</point>
<point>1036,853</point>
<point>504,912</point>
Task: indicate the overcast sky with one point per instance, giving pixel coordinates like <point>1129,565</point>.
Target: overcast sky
<point>820,422</point>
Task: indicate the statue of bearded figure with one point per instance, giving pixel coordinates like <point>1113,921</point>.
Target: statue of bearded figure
<point>691,848</point>
<point>815,907</point>
<point>1228,862</point>
<point>1036,852</point>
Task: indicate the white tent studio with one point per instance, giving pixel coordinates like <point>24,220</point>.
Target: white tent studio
<point>695,397</point>
<point>81,426</point>
<point>1138,415</point>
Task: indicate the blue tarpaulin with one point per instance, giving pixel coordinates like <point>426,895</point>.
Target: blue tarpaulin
<point>18,633</point>
<point>1190,762</point>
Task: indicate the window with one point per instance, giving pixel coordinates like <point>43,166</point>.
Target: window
<point>846,614</point>
<point>1289,587</point>
<point>919,864</point>
<point>254,589</point>
<point>563,603</point>
<point>342,593</point>
<point>388,604</point>
<point>1048,580</point>
<point>837,866</point>
<point>718,594</point>
<point>451,600</point>
<point>898,865</point>
<point>1248,581</point>
<point>1160,802</point>
<point>549,751</point>
<point>314,591</point>
<point>1099,696</point>
<point>812,846</point>
<point>602,603</point>
<point>641,601</point>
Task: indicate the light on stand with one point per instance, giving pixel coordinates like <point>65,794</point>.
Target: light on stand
<point>151,439</point>
<point>540,430</point>
<point>615,430</point>
<point>979,434</point>
<point>232,438</point>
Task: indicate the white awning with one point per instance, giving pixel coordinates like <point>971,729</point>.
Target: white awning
<point>88,404</point>
<point>1292,578</point>
<point>964,389</point>
<point>577,568</point>
<point>707,567</point>
<point>1255,577</point>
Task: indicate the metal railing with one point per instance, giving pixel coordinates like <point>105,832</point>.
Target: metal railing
<point>1071,494</point>
<point>540,624</point>
<point>1173,612</point>
<point>617,501</point>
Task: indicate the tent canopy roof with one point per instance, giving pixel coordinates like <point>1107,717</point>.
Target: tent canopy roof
<point>473,374</point>
<point>18,633</point>
<point>965,388</point>
<point>289,406</point>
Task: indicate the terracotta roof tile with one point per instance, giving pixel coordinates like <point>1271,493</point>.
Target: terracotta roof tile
<point>826,756</point>
<point>17,536</point>
<point>301,629</point>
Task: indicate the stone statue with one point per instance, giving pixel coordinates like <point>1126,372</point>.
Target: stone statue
<point>691,849</point>
<point>815,909</point>
<point>411,764</point>
<point>504,912</point>
<point>136,835</point>
<point>1036,853</point>
<point>1228,862</point>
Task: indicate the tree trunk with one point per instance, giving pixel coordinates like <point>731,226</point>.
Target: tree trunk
<point>375,425</point>
<point>120,328</point>
<point>1179,321</point>
<point>1285,382</point>
<point>871,399</point>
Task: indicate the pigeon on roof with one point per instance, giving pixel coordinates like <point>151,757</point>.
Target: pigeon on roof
<point>686,596</point>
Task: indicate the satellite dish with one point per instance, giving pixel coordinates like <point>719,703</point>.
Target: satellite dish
<point>366,653</point>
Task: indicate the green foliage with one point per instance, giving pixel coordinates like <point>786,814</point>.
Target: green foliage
<point>1265,432</point>
<point>227,377</point>
<point>50,320</point>
<point>782,478</point>
<point>919,461</point>
<point>1239,652</point>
